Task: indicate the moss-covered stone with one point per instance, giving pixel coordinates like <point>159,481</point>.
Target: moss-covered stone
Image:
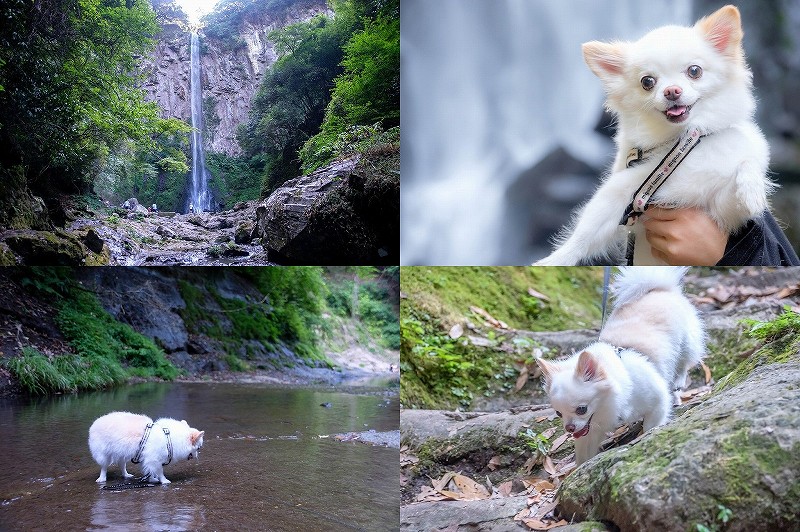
<point>737,450</point>
<point>46,248</point>
<point>783,334</point>
<point>7,257</point>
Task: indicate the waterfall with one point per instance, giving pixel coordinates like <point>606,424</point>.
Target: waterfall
<point>199,194</point>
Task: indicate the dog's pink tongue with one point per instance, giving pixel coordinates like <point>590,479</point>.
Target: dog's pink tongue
<point>676,111</point>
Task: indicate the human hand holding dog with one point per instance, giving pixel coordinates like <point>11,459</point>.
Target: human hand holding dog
<point>687,237</point>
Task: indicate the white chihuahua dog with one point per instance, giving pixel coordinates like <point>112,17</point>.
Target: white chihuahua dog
<point>668,90</point>
<point>651,340</point>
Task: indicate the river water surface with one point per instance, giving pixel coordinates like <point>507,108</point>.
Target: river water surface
<point>265,464</point>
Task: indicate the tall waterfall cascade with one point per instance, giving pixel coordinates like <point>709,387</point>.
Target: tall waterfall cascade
<point>199,195</point>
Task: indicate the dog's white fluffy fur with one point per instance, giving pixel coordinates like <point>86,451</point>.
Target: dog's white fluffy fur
<point>114,439</point>
<point>726,174</point>
<point>661,337</point>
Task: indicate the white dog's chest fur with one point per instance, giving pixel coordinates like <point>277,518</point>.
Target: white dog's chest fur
<point>725,175</point>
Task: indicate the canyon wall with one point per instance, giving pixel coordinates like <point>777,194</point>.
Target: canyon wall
<point>233,63</point>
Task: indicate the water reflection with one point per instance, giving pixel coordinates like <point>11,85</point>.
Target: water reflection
<point>263,465</point>
<point>136,513</point>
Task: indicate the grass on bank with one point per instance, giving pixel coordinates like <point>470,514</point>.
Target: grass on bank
<point>442,372</point>
<point>106,351</point>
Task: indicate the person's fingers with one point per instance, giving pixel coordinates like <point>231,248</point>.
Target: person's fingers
<point>660,255</point>
<point>660,213</point>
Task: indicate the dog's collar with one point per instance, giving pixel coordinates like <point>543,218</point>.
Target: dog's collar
<point>660,173</point>
<point>138,456</point>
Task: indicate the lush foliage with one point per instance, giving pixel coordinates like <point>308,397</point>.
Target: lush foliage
<point>439,371</point>
<point>233,179</point>
<point>365,294</point>
<point>290,104</point>
<point>288,313</point>
<point>69,98</point>
<point>155,174</point>
<point>106,351</point>
<point>367,93</point>
<point>353,58</point>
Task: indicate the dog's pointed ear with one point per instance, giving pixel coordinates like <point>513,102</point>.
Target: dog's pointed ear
<point>587,368</point>
<point>196,435</point>
<point>605,59</point>
<point>548,369</point>
<point>723,29</point>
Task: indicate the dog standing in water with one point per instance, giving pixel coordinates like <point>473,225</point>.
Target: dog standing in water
<point>118,437</point>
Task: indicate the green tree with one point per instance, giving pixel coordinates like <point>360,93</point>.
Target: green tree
<point>368,92</point>
<point>69,95</point>
<point>290,104</point>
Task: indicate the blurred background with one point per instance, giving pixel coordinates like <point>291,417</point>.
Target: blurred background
<point>503,129</point>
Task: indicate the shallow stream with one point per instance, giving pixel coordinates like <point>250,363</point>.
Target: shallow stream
<point>266,463</point>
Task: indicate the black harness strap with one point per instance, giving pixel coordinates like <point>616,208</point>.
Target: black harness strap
<point>137,458</point>
<point>674,157</point>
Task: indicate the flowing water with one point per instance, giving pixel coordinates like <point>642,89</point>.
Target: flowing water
<point>263,465</point>
<point>199,194</point>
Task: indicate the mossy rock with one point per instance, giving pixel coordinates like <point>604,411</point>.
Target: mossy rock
<point>243,232</point>
<point>7,257</point>
<point>47,248</point>
<point>737,450</point>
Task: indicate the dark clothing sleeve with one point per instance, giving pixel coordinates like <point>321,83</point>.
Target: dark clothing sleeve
<point>759,243</point>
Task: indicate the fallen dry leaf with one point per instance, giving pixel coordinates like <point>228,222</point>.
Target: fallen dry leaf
<point>504,489</point>
<point>537,295</point>
<point>494,463</point>
<point>428,494</point>
<point>538,484</point>
<point>549,432</point>
<point>440,484</point>
<point>536,524</point>
<point>549,466</point>
<point>470,488</point>
<point>491,320</point>
<point>565,468</point>
<point>522,379</point>
<point>707,371</point>
<point>558,442</point>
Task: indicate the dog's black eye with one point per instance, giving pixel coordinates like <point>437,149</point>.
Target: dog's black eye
<point>648,82</point>
<point>581,410</point>
<point>558,413</point>
<point>694,72</point>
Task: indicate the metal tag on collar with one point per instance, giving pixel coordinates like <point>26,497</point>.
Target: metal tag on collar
<point>634,157</point>
<point>630,216</point>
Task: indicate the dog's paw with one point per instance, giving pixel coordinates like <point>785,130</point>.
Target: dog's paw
<point>165,481</point>
<point>100,479</point>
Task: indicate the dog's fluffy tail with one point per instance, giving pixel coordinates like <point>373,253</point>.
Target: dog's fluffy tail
<point>632,282</point>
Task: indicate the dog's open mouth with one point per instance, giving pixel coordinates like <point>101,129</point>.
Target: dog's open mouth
<point>678,113</point>
<point>585,430</point>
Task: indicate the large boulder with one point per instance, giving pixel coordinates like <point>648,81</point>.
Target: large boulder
<point>734,456</point>
<point>345,213</point>
<point>151,302</point>
<point>46,248</point>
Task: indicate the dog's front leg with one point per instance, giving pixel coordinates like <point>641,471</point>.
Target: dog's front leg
<point>596,232</point>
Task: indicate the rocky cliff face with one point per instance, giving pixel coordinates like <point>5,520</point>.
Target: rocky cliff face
<point>232,68</point>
